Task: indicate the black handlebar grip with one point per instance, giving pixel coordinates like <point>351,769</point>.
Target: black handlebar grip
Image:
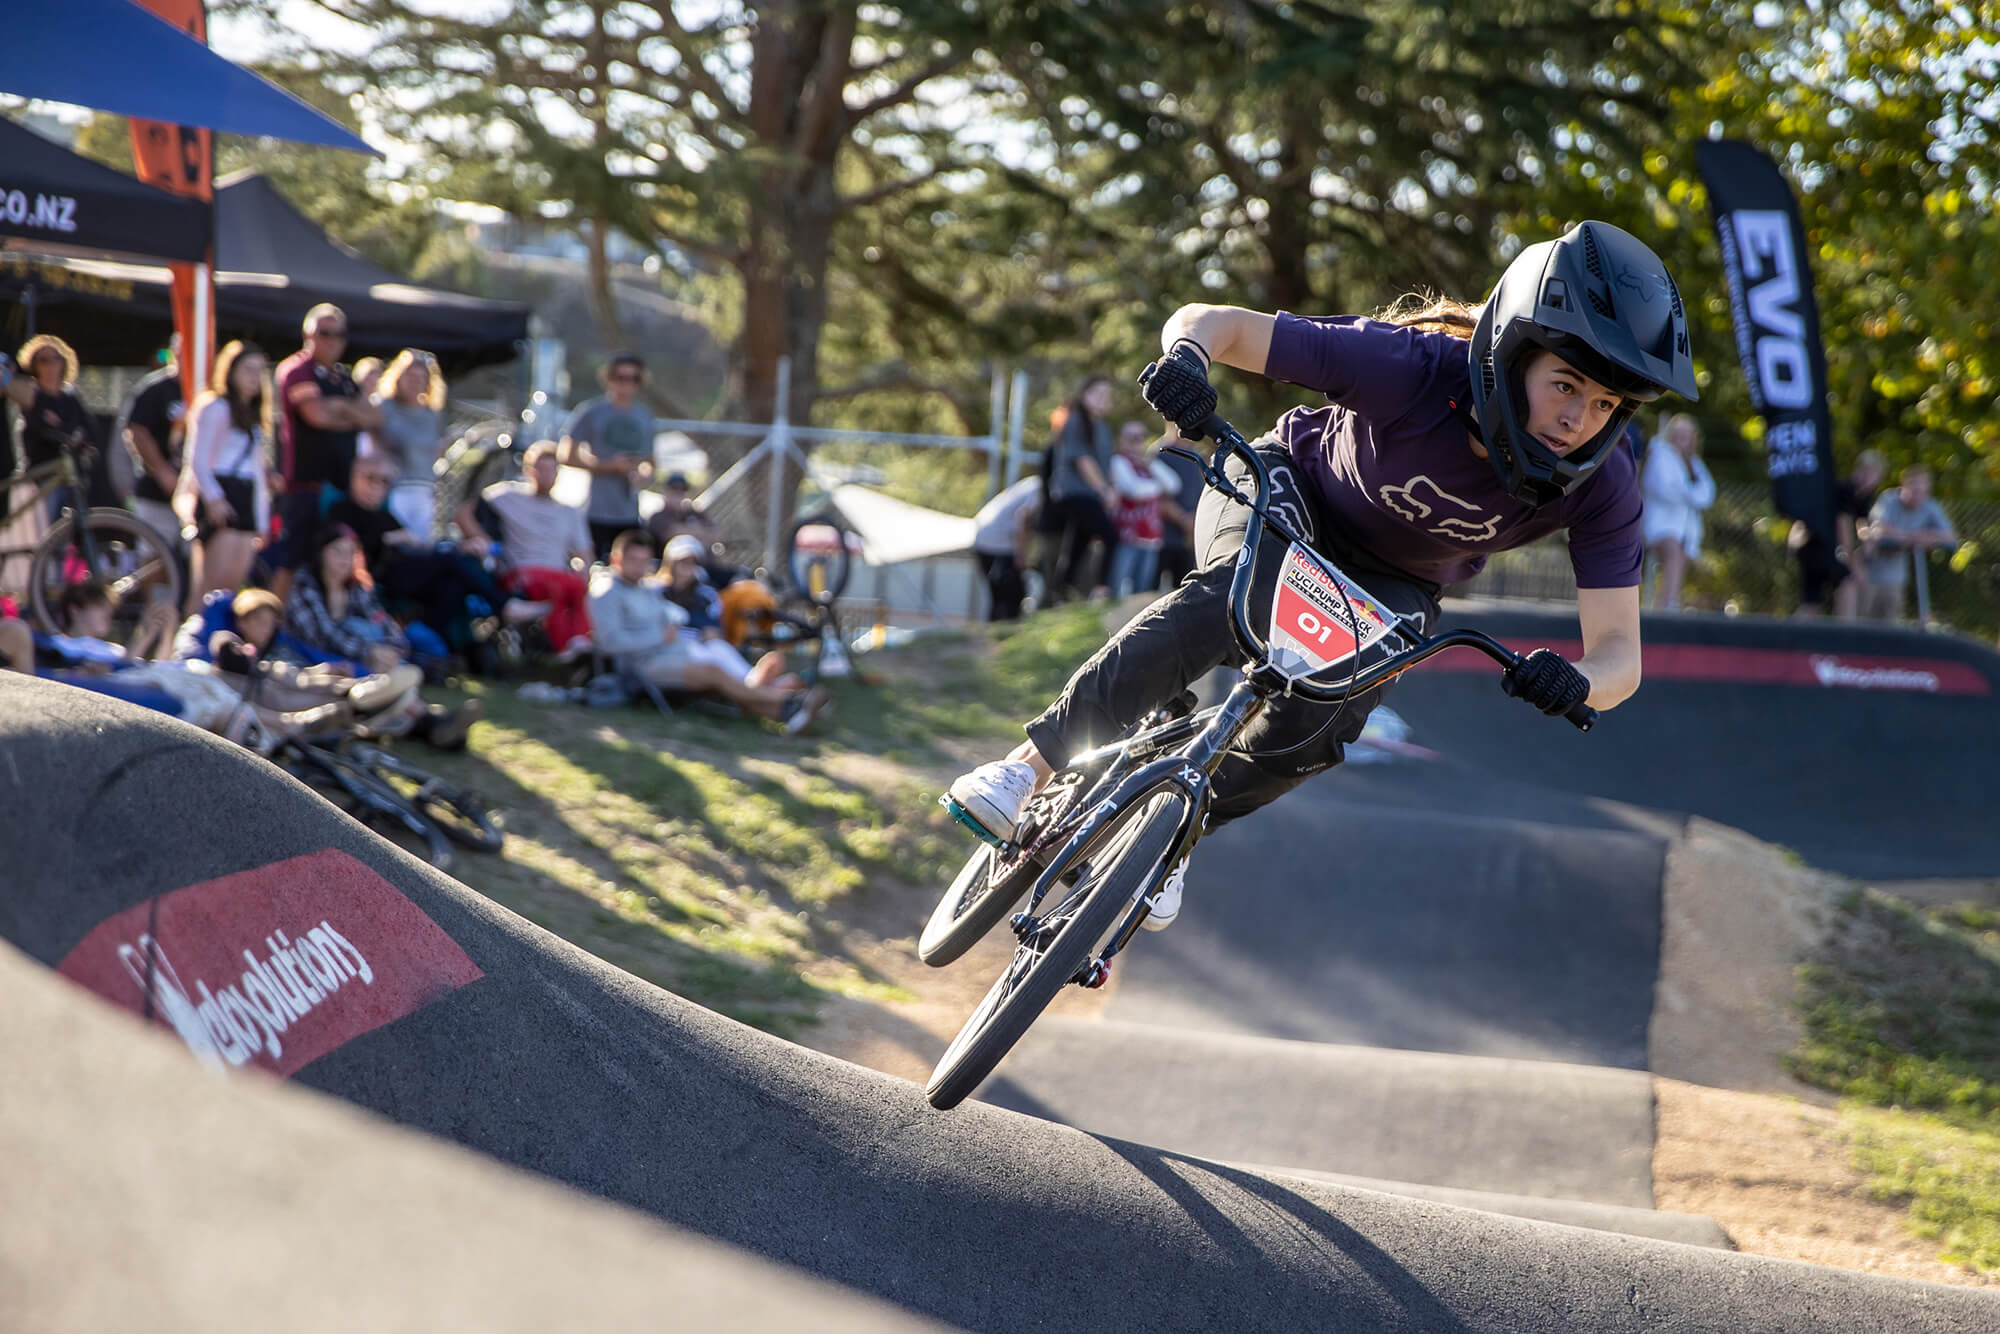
<point>1583,716</point>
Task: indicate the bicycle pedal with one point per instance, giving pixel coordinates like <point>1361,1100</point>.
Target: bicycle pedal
<point>1095,974</point>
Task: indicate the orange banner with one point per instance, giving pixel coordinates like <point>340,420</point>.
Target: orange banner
<point>180,158</point>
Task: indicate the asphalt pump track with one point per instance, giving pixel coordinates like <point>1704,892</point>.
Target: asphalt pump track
<point>785,1187</point>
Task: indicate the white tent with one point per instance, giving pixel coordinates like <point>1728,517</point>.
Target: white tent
<point>914,562</point>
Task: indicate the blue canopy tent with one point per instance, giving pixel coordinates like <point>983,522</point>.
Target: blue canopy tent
<point>115,56</point>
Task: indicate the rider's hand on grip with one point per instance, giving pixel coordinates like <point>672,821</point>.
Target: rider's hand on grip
<point>1176,386</point>
<point>1548,681</point>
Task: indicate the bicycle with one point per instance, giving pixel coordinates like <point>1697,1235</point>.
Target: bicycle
<point>136,565</point>
<point>1101,836</point>
<point>384,791</point>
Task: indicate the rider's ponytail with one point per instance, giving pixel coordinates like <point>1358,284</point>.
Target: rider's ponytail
<point>1431,313</point>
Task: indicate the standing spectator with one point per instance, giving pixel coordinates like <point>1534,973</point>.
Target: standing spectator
<point>154,431</point>
<point>1677,489</point>
<point>1177,508</point>
<point>1905,524</point>
<point>52,412</point>
<point>611,438</point>
<point>412,407</point>
<point>1079,497</point>
<point>322,413</point>
<point>1001,532</point>
<point>224,487</point>
<point>546,542</point>
<point>1139,482</point>
<point>645,631</point>
<point>1837,569</point>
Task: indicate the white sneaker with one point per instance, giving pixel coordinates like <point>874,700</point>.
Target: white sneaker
<point>1165,905</point>
<point>995,795</point>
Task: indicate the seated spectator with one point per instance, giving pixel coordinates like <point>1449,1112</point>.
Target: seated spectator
<point>81,656</point>
<point>411,433</point>
<point>637,625</point>
<point>333,609</point>
<point>547,546</point>
<point>1677,489</point>
<point>688,588</point>
<point>1905,522</point>
<point>448,587</point>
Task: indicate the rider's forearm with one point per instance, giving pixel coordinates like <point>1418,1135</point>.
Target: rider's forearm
<point>1230,335</point>
<point>1612,668</point>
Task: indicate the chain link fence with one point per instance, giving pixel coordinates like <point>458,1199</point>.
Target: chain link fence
<point>1747,566</point>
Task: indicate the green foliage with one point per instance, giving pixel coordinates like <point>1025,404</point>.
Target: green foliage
<point>1950,1177</point>
<point>1902,1009</point>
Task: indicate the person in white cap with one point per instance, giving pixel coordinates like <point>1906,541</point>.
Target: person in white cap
<point>689,589</point>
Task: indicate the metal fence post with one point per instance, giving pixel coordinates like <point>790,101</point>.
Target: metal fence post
<point>1016,411</point>
<point>993,437</point>
<point>1922,570</point>
<point>781,449</point>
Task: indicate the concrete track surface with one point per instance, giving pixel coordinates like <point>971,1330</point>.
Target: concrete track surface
<point>186,881</point>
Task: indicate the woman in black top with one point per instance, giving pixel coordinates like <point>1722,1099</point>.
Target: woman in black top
<point>52,412</point>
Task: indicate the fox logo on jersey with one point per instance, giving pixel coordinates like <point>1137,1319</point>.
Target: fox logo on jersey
<point>1422,498</point>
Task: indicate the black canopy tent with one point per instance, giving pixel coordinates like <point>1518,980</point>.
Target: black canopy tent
<point>53,196</point>
<point>272,265</point>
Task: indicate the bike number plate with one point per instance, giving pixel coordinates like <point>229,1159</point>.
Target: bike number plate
<point>1321,618</point>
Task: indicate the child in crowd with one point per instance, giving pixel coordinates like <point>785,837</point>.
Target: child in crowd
<point>1139,480</point>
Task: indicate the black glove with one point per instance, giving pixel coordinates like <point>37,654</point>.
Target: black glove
<point>1548,681</point>
<point>1177,387</point>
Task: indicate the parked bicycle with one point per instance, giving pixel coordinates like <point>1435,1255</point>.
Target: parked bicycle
<point>137,565</point>
<point>1101,836</point>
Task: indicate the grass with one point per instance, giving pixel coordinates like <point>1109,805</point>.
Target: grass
<point>732,864</point>
<point>1902,1017</point>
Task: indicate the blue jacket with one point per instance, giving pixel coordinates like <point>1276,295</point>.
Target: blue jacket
<point>217,614</point>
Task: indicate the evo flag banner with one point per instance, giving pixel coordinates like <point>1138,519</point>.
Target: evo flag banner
<point>1777,325</point>
<point>179,158</point>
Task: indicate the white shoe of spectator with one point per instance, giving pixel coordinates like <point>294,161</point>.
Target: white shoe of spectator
<point>517,612</point>
<point>576,648</point>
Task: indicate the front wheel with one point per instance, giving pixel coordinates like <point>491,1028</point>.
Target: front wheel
<point>1124,864</point>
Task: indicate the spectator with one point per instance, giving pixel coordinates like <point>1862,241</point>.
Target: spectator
<point>154,430</point>
<point>412,406</point>
<point>1904,524</point>
<point>1838,569</point>
<point>1001,533</point>
<point>611,438</point>
<point>1178,508</point>
<point>323,411</point>
<point>52,412</point>
<point>224,487</point>
<point>1139,482</point>
<point>688,588</point>
<point>333,609</point>
<point>448,587</point>
<point>1077,509</point>
<point>1677,488</point>
<point>644,631</point>
<point>546,542</point>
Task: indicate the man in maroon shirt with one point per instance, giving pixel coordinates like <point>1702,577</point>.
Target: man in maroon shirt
<point>321,412</point>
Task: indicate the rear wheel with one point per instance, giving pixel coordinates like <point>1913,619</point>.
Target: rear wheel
<point>1078,923</point>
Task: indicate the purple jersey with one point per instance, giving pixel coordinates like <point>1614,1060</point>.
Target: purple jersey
<point>1390,457</point>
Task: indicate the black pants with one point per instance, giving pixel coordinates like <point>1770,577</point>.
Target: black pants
<point>1186,634</point>
<point>1004,587</point>
<point>1078,521</point>
<point>439,582</point>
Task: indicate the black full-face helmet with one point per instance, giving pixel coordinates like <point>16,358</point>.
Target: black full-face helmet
<point>1600,299</point>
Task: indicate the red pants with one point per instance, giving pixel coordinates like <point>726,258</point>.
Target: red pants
<point>568,596</point>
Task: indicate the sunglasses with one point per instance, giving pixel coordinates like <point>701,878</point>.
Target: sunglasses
<point>330,333</point>
<point>626,377</point>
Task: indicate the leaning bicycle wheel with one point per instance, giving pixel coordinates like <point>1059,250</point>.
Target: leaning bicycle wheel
<point>462,816</point>
<point>135,565</point>
<point>1125,861</point>
<point>372,803</point>
<point>990,884</point>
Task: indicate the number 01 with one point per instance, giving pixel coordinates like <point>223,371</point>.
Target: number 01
<point>1313,628</point>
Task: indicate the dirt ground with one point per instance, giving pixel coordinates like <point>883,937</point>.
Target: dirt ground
<point>1737,1140</point>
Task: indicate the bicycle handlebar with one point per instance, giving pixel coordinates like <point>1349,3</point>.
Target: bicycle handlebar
<point>1230,441</point>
